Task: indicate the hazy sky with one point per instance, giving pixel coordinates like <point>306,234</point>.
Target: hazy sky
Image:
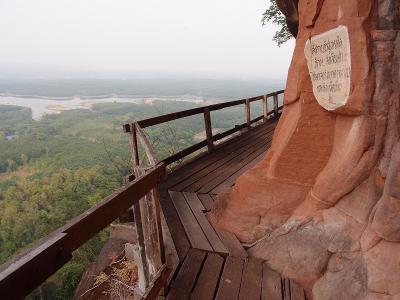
<point>207,38</point>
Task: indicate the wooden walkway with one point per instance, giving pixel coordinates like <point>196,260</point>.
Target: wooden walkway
<point>213,263</point>
<point>204,275</point>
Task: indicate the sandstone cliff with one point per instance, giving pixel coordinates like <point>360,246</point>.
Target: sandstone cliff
<point>323,207</point>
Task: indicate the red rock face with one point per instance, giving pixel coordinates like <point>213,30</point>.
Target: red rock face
<point>324,206</point>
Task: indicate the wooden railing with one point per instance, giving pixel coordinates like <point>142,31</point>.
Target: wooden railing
<point>21,275</point>
<point>136,128</point>
<point>28,270</point>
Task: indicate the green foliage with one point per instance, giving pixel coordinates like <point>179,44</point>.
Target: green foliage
<point>30,209</point>
<point>75,159</point>
<point>275,16</point>
<point>33,208</point>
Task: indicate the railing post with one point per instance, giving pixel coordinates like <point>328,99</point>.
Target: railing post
<point>275,105</point>
<point>150,152</point>
<point>128,216</point>
<point>248,120</point>
<point>208,127</point>
<point>157,210</point>
<point>134,147</point>
<point>142,246</point>
<point>150,250</point>
<point>265,108</point>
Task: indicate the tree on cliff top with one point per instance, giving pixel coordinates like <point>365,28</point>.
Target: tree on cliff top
<point>275,16</point>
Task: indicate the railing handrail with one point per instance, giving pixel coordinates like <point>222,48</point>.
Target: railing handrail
<point>195,111</point>
<point>24,273</point>
<point>136,128</point>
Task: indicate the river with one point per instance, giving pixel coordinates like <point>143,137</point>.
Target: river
<point>40,107</point>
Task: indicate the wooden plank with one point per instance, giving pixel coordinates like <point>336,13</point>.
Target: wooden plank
<point>229,284</point>
<point>223,174</point>
<point>230,181</point>
<point>267,95</point>
<point>195,166</point>
<point>296,291</point>
<point>175,226</point>
<point>185,152</point>
<point>225,147</point>
<point>257,98</point>
<point>208,127</point>
<point>158,285</point>
<point>250,147</point>
<point>161,119</point>
<point>182,286</point>
<point>206,184</point>
<point>231,242</point>
<point>276,106</point>
<point>207,201</point>
<point>148,147</point>
<point>153,231</point>
<point>157,210</point>
<point>271,284</point>
<point>214,197</point>
<point>29,270</point>
<point>187,113</point>
<point>137,210</point>
<point>250,288</point>
<point>193,230</point>
<point>197,209</point>
<point>248,113</point>
<point>86,225</point>
<point>265,107</point>
<point>255,120</point>
<point>228,132</point>
<point>208,280</point>
<point>208,142</point>
<point>224,159</point>
<point>221,135</point>
<point>148,233</point>
<point>195,111</point>
<point>134,146</point>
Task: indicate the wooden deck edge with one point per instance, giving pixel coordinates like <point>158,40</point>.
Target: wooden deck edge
<point>218,146</point>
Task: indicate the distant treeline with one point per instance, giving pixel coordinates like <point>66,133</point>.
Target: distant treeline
<point>68,88</point>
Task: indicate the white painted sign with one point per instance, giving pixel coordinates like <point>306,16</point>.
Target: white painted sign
<point>329,63</point>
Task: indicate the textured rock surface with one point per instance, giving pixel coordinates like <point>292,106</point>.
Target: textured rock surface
<point>323,207</point>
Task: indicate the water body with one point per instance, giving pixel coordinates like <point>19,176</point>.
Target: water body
<point>40,107</point>
<point>9,136</point>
